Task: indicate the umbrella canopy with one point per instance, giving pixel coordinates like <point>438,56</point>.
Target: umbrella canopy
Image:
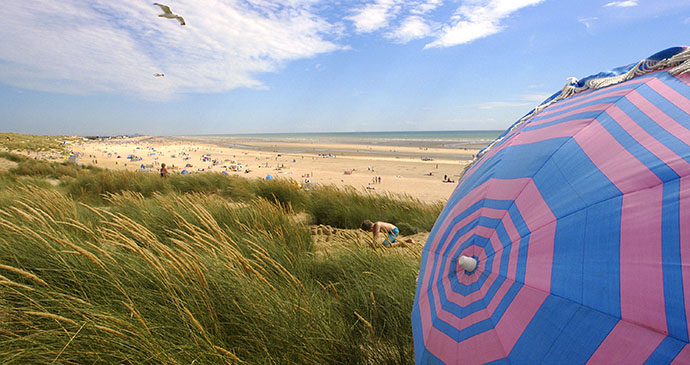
<point>568,240</point>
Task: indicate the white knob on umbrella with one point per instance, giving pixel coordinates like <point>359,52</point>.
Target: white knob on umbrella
<point>467,263</point>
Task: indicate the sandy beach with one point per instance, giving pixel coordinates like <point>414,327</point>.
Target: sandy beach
<point>418,171</point>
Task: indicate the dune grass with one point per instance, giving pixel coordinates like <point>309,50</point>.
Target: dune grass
<point>123,267</point>
<point>28,142</point>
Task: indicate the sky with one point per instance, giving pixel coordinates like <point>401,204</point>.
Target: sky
<point>87,67</point>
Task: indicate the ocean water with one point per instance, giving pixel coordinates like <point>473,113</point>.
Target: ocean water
<point>437,139</point>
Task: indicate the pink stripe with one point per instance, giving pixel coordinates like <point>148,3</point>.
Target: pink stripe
<point>676,98</point>
<point>596,94</point>
<point>560,130</point>
<point>573,103</point>
<point>626,344</point>
<point>684,78</point>
<point>480,349</point>
<point>518,315</point>
<point>503,289</point>
<point>670,158</point>
<point>684,202</point>
<point>540,257</point>
<point>671,125</point>
<point>480,253</point>
<point>445,280</point>
<point>462,300</point>
<point>591,108</point>
<point>493,189</point>
<point>683,357</point>
<point>641,270</point>
<point>625,171</point>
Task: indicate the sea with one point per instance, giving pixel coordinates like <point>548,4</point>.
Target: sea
<point>453,139</point>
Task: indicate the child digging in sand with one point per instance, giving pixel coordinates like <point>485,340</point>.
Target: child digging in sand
<point>388,229</point>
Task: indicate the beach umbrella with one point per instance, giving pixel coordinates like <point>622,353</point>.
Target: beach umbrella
<point>568,239</point>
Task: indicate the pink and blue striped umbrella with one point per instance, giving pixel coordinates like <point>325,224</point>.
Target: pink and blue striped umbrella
<point>568,240</point>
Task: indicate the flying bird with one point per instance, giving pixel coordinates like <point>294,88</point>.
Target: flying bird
<point>158,75</point>
<point>167,13</point>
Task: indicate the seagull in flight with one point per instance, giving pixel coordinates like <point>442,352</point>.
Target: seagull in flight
<point>158,75</point>
<point>167,13</point>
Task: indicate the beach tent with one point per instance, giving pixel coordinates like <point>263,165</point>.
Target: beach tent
<point>269,177</point>
<point>568,239</point>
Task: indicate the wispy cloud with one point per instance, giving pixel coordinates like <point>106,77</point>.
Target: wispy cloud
<point>588,22</point>
<point>117,46</point>
<point>478,19</point>
<point>414,27</point>
<point>375,15</point>
<point>622,4</point>
<point>524,100</point>
<point>73,46</point>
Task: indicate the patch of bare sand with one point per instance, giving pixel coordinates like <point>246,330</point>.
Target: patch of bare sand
<point>327,238</point>
<point>6,164</point>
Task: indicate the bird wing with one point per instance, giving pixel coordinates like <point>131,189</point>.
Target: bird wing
<point>180,19</point>
<point>165,8</point>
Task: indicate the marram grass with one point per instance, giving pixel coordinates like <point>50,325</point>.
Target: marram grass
<point>149,274</point>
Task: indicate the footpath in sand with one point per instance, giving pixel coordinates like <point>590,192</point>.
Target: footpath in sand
<point>416,171</point>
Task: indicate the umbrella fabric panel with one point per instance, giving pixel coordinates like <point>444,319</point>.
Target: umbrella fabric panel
<point>615,152</point>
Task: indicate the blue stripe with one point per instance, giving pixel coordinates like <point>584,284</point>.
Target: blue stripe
<point>585,104</point>
<point>653,163</point>
<point>584,115</point>
<point>601,266</point>
<point>675,144</point>
<point>581,337</point>
<point>461,311</point>
<point>568,255</point>
<point>667,350</point>
<point>674,298</point>
<point>543,330</point>
<point>623,86</point>
<point>677,85</point>
<point>421,354</point>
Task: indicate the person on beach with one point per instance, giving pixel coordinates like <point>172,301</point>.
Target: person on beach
<point>388,229</point>
<point>164,171</point>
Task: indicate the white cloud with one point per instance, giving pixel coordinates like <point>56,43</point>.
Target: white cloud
<point>477,19</point>
<point>588,22</point>
<point>524,100</point>
<point>622,4</point>
<point>414,27</point>
<point>425,7</point>
<point>502,104</point>
<point>85,47</point>
<point>117,46</point>
<point>374,16</point>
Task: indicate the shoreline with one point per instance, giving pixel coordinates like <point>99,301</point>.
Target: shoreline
<point>402,169</point>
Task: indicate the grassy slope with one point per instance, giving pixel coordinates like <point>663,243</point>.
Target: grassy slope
<point>126,267</point>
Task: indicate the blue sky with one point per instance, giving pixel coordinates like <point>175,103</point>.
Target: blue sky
<point>79,67</point>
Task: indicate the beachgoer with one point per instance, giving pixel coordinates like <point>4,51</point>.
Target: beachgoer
<point>386,228</point>
<point>164,171</point>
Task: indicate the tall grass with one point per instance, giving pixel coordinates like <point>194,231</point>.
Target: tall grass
<point>153,275</point>
<point>28,142</point>
<point>346,208</point>
<point>338,207</point>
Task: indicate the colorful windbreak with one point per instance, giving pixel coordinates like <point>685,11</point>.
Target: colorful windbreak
<point>579,220</point>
